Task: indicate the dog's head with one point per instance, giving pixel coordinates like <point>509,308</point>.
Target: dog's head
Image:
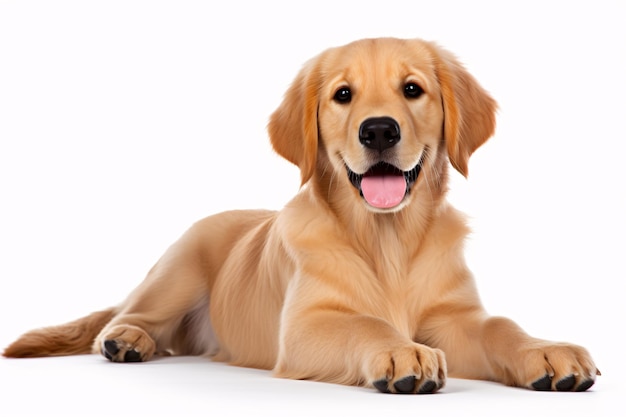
<point>380,115</point>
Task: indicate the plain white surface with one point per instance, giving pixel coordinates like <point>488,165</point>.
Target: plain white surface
<point>122,122</point>
<point>90,385</point>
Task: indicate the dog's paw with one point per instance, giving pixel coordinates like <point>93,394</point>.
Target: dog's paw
<point>556,367</point>
<point>411,369</point>
<point>126,343</point>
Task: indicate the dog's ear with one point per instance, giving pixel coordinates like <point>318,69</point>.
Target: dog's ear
<point>469,111</point>
<point>293,126</point>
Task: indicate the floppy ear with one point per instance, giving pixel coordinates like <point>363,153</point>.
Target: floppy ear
<point>293,126</point>
<point>469,111</point>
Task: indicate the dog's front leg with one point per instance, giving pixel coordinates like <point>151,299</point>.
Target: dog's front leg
<point>326,339</point>
<point>480,346</point>
<point>521,360</point>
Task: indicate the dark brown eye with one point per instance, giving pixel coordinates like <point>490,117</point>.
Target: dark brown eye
<point>343,95</point>
<point>412,90</point>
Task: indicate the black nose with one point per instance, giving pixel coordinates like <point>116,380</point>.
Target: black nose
<point>379,133</point>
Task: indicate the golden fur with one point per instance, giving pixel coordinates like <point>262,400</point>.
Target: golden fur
<point>332,288</point>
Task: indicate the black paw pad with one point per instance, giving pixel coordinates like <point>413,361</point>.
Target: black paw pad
<point>106,354</point>
<point>543,384</point>
<point>428,387</point>
<point>382,385</point>
<point>585,385</point>
<point>566,384</point>
<point>405,385</point>
<point>132,356</point>
<point>110,349</point>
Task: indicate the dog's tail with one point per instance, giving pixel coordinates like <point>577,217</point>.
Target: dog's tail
<point>73,338</point>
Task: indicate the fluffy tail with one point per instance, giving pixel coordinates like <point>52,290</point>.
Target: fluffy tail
<point>73,338</point>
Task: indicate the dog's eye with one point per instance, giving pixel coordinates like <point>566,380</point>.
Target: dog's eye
<point>343,95</point>
<point>412,90</point>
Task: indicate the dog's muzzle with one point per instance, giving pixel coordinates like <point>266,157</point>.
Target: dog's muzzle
<point>383,186</point>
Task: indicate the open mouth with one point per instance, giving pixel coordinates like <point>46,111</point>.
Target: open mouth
<point>384,186</point>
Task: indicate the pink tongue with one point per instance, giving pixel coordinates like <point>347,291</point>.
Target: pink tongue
<point>383,191</point>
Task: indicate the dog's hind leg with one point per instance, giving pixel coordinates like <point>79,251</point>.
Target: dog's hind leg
<point>168,312</point>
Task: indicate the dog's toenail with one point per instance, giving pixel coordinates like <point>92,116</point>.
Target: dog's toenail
<point>381,385</point>
<point>110,347</point>
<point>566,384</point>
<point>428,387</point>
<point>132,356</point>
<point>405,385</point>
<point>585,385</point>
<point>543,384</point>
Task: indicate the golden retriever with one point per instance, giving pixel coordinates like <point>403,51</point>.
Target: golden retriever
<point>360,279</point>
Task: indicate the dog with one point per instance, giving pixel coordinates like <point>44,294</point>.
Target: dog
<point>360,279</point>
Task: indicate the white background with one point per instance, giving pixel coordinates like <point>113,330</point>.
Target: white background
<point>122,122</point>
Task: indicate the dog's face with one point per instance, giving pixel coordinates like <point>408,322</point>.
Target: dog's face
<point>377,115</point>
<point>380,114</point>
